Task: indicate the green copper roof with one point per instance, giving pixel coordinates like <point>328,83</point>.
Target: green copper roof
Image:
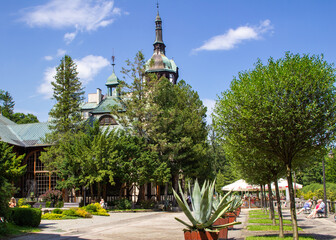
<point>160,63</point>
<point>24,135</point>
<point>106,104</point>
<point>89,105</point>
<point>112,80</point>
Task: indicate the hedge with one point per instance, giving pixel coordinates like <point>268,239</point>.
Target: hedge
<point>26,216</point>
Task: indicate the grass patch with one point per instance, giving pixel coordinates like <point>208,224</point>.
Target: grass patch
<point>267,221</point>
<point>256,212</point>
<point>269,228</point>
<point>14,230</point>
<point>259,216</point>
<point>276,238</point>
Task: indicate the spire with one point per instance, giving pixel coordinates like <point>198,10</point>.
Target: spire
<point>112,82</point>
<point>159,46</point>
<point>113,64</point>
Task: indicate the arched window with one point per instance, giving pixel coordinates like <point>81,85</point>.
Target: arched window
<point>107,120</point>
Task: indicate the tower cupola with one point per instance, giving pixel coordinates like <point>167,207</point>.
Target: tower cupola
<point>112,83</point>
<point>159,63</point>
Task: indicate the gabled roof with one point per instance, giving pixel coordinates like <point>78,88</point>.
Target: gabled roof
<point>24,135</point>
<point>106,104</point>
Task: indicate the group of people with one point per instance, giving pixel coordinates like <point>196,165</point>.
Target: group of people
<point>319,208</point>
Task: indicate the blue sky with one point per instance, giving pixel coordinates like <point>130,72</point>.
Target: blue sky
<point>210,41</point>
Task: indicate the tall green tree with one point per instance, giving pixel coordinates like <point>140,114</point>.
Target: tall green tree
<point>65,114</point>
<point>21,118</point>
<point>7,104</point>
<point>11,169</point>
<point>68,93</point>
<point>171,118</point>
<point>286,109</point>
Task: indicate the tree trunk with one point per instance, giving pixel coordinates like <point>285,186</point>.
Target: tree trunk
<point>99,191</point>
<point>292,203</point>
<point>261,197</point>
<point>104,192</point>
<point>158,193</point>
<point>176,188</point>
<point>281,232</point>
<point>270,200</point>
<point>141,193</point>
<point>91,191</point>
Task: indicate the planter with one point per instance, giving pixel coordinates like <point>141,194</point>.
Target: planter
<point>232,217</point>
<point>223,233</point>
<point>200,235</point>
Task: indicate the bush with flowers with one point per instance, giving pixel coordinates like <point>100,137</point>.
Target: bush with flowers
<point>53,196</point>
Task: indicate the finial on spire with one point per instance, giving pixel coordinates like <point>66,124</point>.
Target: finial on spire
<point>157,6</point>
<point>113,57</point>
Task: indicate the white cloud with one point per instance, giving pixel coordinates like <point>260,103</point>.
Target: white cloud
<point>60,52</point>
<point>69,37</point>
<point>210,104</point>
<point>82,15</point>
<point>46,88</point>
<point>233,37</point>
<point>48,58</point>
<point>87,68</point>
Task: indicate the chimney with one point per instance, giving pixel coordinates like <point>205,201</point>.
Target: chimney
<point>99,95</point>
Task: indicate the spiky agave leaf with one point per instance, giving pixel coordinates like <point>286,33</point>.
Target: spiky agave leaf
<point>190,227</point>
<point>196,198</point>
<point>185,208</point>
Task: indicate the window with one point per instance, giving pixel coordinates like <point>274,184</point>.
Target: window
<point>107,120</point>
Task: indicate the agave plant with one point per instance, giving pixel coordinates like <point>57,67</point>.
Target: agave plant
<point>202,216</point>
<point>235,202</point>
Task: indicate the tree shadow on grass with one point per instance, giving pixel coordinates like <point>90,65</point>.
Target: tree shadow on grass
<point>312,235</point>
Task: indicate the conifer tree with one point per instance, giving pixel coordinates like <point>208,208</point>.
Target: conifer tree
<point>7,104</point>
<point>68,93</point>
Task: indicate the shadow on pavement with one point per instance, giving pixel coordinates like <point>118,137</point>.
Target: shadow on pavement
<point>42,236</point>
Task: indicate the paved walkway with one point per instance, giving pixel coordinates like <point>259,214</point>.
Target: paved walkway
<point>157,225</point>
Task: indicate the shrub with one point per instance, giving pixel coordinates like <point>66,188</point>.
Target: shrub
<point>82,213</point>
<point>123,204</point>
<point>52,216</point>
<point>70,212</point>
<point>22,201</point>
<point>93,207</point>
<point>101,212</point>
<point>3,228</point>
<point>48,204</point>
<point>147,204</point>
<point>26,216</point>
<point>52,196</point>
<point>57,211</point>
<point>25,206</point>
<point>59,204</point>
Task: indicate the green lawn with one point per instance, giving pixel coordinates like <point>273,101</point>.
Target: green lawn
<point>267,221</point>
<point>14,230</point>
<point>256,212</point>
<point>276,238</point>
<point>269,228</point>
<point>260,216</point>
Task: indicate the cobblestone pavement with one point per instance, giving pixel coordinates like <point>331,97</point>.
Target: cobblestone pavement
<point>142,226</point>
<point>159,225</point>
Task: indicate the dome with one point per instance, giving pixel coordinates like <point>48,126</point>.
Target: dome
<point>159,62</point>
<point>112,80</point>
